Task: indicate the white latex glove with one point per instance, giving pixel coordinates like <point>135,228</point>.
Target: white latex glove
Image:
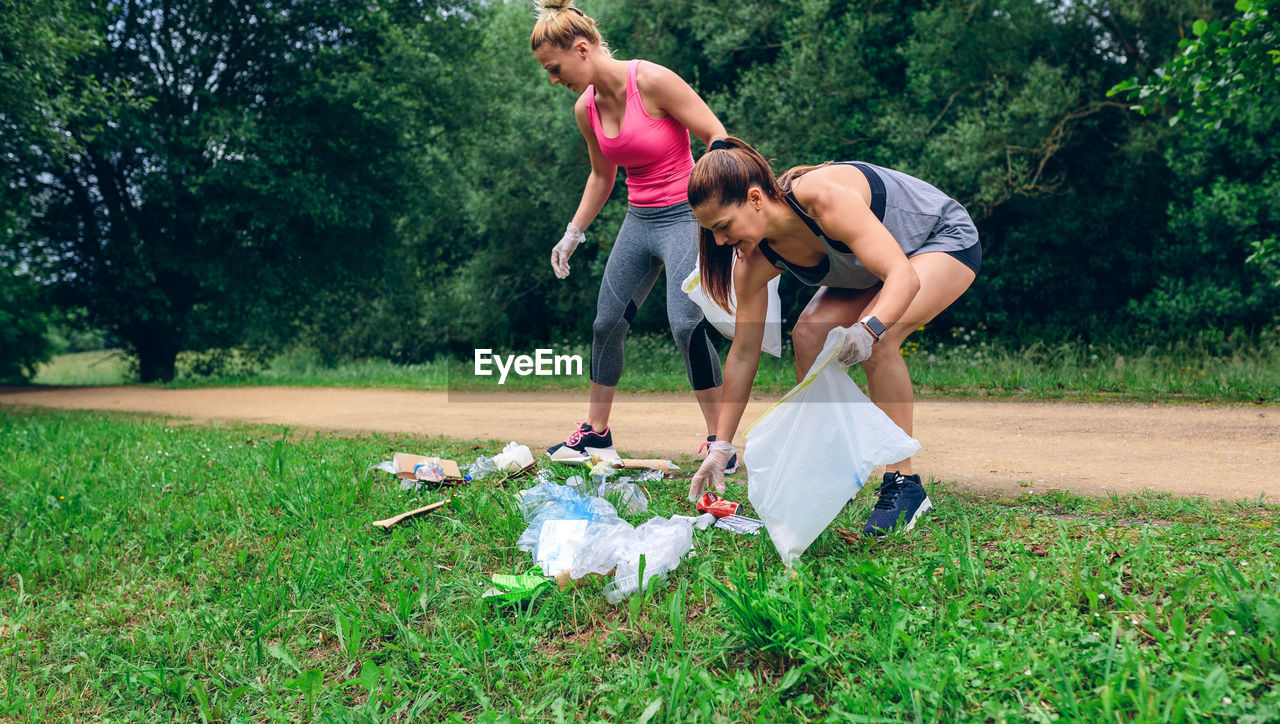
<point>855,344</point>
<point>561,252</point>
<point>712,470</point>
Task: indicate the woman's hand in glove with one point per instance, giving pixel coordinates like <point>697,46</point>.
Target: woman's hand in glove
<point>561,252</point>
<point>855,344</point>
<point>712,471</point>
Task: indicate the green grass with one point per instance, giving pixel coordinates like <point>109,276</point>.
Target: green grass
<point>151,571</point>
<point>102,367</point>
<point>962,366</point>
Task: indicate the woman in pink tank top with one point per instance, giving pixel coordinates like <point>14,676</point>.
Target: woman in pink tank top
<point>637,115</point>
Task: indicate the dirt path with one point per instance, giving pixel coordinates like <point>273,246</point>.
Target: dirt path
<point>1092,449</point>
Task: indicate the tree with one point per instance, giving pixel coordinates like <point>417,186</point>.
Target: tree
<point>254,171</point>
<point>1228,72</point>
<point>23,322</point>
<point>38,99</point>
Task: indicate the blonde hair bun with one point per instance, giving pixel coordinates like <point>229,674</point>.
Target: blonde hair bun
<point>561,29</point>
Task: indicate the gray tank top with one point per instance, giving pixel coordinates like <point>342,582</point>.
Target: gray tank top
<point>920,217</point>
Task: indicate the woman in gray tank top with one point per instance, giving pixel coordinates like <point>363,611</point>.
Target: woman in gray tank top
<point>887,251</point>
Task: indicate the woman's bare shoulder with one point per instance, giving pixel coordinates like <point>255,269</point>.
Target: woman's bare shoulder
<point>828,188</point>
<point>649,72</point>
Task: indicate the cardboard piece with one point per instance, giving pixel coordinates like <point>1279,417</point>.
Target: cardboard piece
<point>405,464</point>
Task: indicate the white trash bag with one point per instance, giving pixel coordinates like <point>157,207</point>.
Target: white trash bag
<point>811,452</point>
<point>722,319</point>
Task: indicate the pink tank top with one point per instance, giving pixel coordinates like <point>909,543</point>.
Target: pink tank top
<point>654,151</point>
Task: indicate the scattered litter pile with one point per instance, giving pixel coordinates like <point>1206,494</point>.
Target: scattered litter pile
<point>569,531</point>
<point>574,530</point>
<point>415,470</point>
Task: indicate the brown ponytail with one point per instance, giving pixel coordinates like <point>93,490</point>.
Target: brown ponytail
<point>560,23</point>
<point>723,176</point>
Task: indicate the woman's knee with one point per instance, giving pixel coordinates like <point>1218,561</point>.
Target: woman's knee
<point>609,325</point>
<point>884,353</point>
<point>810,331</point>
<point>683,329</point>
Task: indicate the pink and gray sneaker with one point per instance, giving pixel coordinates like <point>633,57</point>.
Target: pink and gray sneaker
<point>729,469</point>
<point>584,437</point>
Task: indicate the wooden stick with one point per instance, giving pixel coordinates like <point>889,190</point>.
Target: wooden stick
<point>424,509</point>
<point>662,466</point>
<point>519,473</point>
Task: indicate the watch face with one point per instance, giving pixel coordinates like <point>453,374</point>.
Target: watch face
<point>876,326</point>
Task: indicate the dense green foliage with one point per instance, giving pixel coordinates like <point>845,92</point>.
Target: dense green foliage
<point>1226,69</point>
<point>386,179</point>
<point>23,323</point>
<point>1226,81</point>
<point>255,172</point>
<point>38,96</point>
<point>232,574</point>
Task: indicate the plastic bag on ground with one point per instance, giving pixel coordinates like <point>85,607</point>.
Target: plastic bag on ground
<point>585,535</point>
<point>558,543</point>
<point>723,320</point>
<point>550,501</point>
<point>650,476</point>
<point>663,543</point>
<point>628,496</point>
<point>513,458</point>
<point>609,546</point>
<point>812,451</point>
<point>599,550</point>
<point>481,467</point>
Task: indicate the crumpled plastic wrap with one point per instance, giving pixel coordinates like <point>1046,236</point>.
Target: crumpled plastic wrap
<point>608,543</point>
<point>481,467</point>
<point>513,458</point>
<point>625,495</point>
<point>663,543</point>
<point>552,501</point>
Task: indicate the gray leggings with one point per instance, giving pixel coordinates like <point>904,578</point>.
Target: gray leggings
<point>651,237</point>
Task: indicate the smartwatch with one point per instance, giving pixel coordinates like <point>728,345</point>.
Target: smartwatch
<point>874,326</point>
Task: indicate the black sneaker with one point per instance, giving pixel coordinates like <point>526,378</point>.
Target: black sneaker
<point>729,469</point>
<point>584,437</point>
<point>902,502</point>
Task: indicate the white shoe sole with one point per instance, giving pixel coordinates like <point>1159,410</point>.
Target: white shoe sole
<point>925,507</point>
